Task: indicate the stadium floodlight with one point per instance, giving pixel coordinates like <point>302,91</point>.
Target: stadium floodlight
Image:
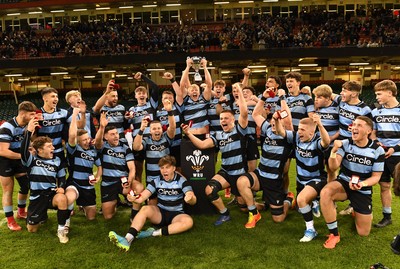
<point>58,73</point>
<point>173,5</point>
<point>149,6</point>
<point>361,63</point>
<point>125,7</point>
<point>106,71</point>
<point>308,65</point>
<point>256,66</point>
<point>13,75</point>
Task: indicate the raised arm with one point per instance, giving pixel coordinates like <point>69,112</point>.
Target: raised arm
<point>278,125</point>
<point>73,128</point>
<point>243,117</point>
<point>171,119</point>
<point>246,72</point>
<point>176,87</point>
<point>258,112</point>
<point>208,80</point>
<point>152,85</point>
<point>81,122</point>
<point>30,129</point>
<point>185,82</point>
<point>137,142</point>
<point>102,100</point>
<point>98,141</point>
<point>334,159</point>
<point>288,123</point>
<point>325,141</point>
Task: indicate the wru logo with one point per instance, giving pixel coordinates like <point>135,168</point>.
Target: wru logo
<point>197,160</point>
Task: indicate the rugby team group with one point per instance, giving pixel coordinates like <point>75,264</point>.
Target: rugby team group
<point>341,148</point>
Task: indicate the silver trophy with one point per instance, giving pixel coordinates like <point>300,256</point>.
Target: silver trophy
<point>196,66</point>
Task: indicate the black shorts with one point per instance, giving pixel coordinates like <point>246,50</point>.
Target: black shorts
<point>167,217</point>
<point>86,197</point>
<point>231,180</point>
<point>37,209</point>
<point>176,152</point>
<point>111,192</point>
<point>252,152</point>
<point>362,203</point>
<point>316,185</point>
<point>388,172</point>
<point>273,190</point>
<point>11,167</point>
<point>139,155</point>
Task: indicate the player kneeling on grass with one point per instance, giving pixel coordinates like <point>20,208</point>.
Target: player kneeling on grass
<point>361,163</point>
<point>172,190</point>
<point>47,181</point>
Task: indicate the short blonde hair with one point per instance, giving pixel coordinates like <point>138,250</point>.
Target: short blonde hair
<point>323,90</point>
<point>70,94</point>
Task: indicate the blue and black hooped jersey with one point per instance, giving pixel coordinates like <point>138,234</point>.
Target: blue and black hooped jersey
<point>387,126</point>
<point>309,158</point>
<point>44,175</point>
<point>114,162</point>
<point>89,126</point>
<point>147,110</point>
<point>162,116</point>
<point>12,133</point>
<point>154,151</point>
<point>170,194</point>
<point>275,151</point>
<point>195,111</point>
<point>348,113</point>
<point>81,164</point>
<point>360,161</point>
<point>300,106</point>
<point>330,118</point>
<point>54,126</point>
<point>232,150</point>
<point>116,117</point>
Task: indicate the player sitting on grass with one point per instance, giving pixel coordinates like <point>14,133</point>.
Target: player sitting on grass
<point>172,190</point>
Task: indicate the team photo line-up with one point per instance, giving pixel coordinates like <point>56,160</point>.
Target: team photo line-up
<point>341,148</point>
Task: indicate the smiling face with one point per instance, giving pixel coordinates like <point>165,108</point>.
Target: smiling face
<point>306,130</point>
<point>141,95</point>
<point>50,101</point>
<point>112,137</point>
<point>219,90</point>
<point>227,120</point>
<point>167,171</point>
<point>84,141</point>
<point>347,95</point>
<point>194,92</point>
<point>47,151</point>
<point>293,86</point>
<point>156,130</point>
<point>112,99</point>
<point>360,130</point>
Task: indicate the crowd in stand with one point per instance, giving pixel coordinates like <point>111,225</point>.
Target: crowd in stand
<point>370,28</point>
